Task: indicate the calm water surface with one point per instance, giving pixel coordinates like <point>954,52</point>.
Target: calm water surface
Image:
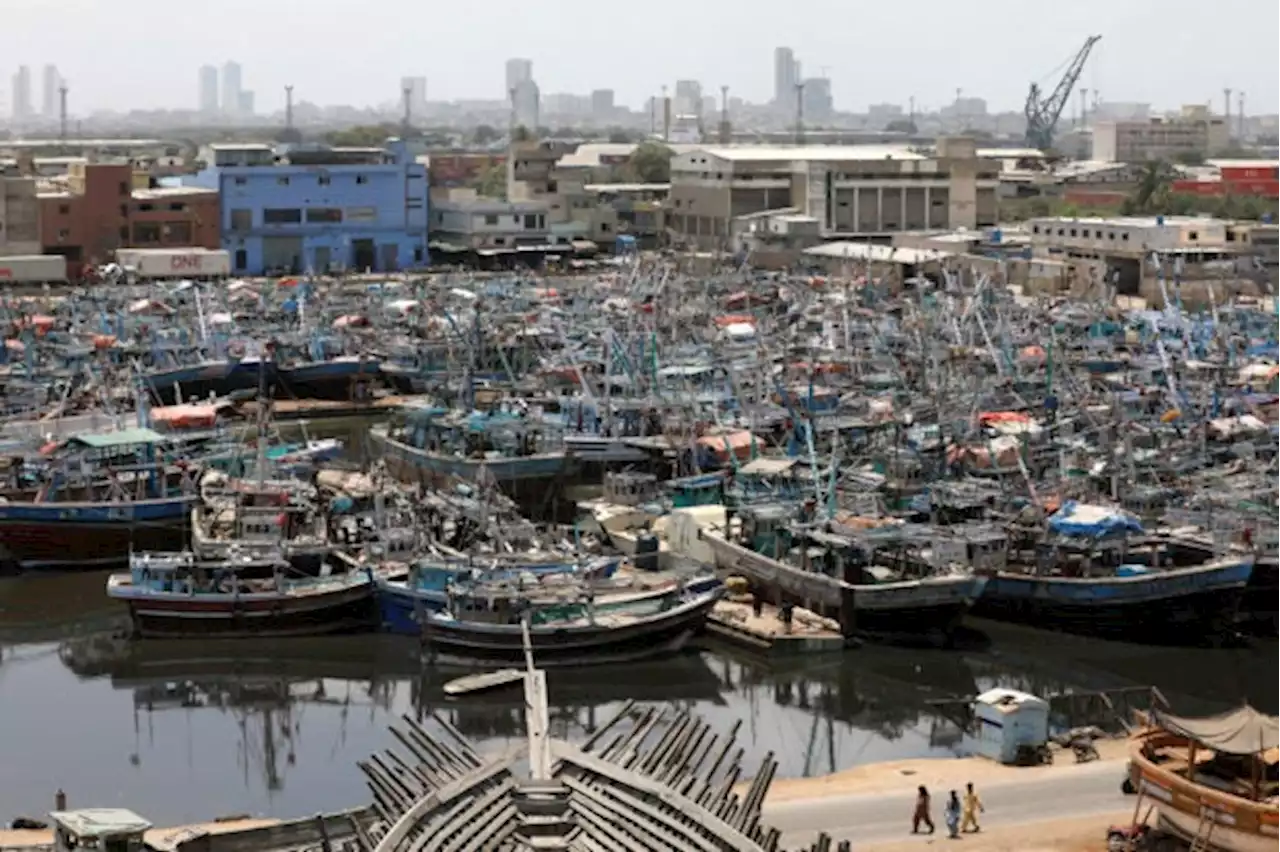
<point>183,731</point>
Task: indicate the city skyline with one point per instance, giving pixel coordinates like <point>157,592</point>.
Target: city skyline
<point>464,54</point>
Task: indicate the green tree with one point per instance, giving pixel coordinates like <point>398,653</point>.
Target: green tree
<point>1190,158</point>
<point>485,134</point>
<point>651,162</point>
<point>492,182</point>
<point>901,125</point>
<point>521,134</point>
<point>362,136</point>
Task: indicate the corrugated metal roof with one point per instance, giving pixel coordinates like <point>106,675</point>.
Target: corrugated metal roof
<point>878,254</point>
<point>788,153</point>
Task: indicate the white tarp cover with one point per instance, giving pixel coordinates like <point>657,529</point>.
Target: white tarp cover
<point>1242,731</point>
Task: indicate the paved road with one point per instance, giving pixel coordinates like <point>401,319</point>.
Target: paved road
<point>1065,791</point>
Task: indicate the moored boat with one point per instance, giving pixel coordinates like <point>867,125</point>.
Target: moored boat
<point>178,595</point>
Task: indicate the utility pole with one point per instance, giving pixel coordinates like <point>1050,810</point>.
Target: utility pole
<point>1226,108</point>
<point>911,110</point>
<point>666,115</point>
<point>1240,116</point>
<point>62,114</point>
<point>406,93</point>
<point>288,107</point>
<point>800,113</point>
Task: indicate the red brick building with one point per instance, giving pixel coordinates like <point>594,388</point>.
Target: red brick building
<point>100,210</point>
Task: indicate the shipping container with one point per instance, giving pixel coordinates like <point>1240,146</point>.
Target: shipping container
<point>176,263</point>
<point>33,269</point>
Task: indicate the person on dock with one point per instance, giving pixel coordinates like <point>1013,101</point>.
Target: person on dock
<point>952,814</point>
<point>972,807</point>
<point>921,815</point>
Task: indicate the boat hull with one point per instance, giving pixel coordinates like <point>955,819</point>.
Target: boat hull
<point>1258,607</point>
<point>411,464</point>
<point>347,607</point>
<point>53,537</point>
<point>923,611</point>
<point>555,645</point>
<point>1183,606</point>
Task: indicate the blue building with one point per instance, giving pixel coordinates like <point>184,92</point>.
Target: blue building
<point>302,209</point>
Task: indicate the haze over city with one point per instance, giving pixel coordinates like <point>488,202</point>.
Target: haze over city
<point>1164,53</point>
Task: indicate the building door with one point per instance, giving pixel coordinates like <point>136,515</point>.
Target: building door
<point>320,260</point>
<point>282,255</point>
<point>388,257</point>
<point>362,255</point>
<point>242,260</point>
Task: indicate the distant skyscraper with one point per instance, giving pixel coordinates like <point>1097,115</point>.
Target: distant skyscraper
<point>602,105</point>
<point>51,100</point>
<point>246,102</point>
<point>231,88</point>
<point>417,87</point>
<point>688,97</point>
<point>785,76</point>
<point>526,105</point>
<point>21,105</point>
<point>518,71</point>
<point>208,90</point>
<point>818,105</point>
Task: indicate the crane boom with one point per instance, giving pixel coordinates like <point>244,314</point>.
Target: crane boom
<point>1043,113</point>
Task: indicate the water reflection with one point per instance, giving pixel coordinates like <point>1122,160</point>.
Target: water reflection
<point>183,731</point>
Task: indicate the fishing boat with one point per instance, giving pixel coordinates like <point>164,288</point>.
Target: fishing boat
<point>835,573</point>
<point>91,500</point>
<point>177,594</point>
<point>435,445</point>
<point>1212,781</point>
<point>1097,573</point>
<point>490,632</point>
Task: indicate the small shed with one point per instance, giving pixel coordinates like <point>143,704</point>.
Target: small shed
<point>1007,719</point>
<point>103,829</point>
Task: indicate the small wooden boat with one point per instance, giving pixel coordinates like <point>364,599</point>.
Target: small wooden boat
<point>1211,780</point>
<point>179,595</point>
<point>483,682</point>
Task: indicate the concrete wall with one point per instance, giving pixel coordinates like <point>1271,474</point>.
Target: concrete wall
<point>19,217</point>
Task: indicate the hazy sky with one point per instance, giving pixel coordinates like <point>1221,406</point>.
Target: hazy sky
<point>145,53</point>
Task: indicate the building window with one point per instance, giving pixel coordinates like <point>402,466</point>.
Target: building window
<point>1073,232</point>
<point>323,215</point>
<point>414,204</point>
<point>362,179</point>
<point>362,214</point>
<point>1193,235</point>
<point>531,222</point>
<point>490,219</point>
<point>242,259</point>
<point>241,219</point>
<point>499,241</point>
<point>63,235</point>
<point>281,216</point>
<point>239,181</point>
<point>64,209</point>
<point>146,232</point>
<point>124,211</point>
<point>283,180</point>
<point>177,207</point>
<point>323,180</point>
<point>124,233</point>
<point>178,233</point>
<point>146,208</point>
<point>1035,229</point>
<point>124,187</point>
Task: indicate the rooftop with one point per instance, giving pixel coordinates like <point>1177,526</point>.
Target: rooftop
<point>1131,221</point>
<point>158,192</point>
<point>875,253</point>
<point>789,153</point>
<point>100,822</point>
<point>1243,164</point>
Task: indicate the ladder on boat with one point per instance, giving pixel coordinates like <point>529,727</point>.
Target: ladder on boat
<point>1202,842</point>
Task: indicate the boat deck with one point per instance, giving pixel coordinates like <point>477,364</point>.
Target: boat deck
<point>734,621</point>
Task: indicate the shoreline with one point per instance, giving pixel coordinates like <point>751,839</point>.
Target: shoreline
<point>936,773</point>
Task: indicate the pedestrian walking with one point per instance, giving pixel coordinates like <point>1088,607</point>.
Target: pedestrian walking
<point>952,814</point>
<point>972,807</point>
<point>921,815</point>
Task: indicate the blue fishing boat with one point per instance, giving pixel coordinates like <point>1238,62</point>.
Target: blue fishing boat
<point>1097,573</point>
<point>93,500</point>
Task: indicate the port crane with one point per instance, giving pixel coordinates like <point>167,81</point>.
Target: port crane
<point>1043,113</point>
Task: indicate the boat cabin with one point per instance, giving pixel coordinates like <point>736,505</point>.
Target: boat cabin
<point>982,548</point>
<point>628,488</point>
<point>103,829</point>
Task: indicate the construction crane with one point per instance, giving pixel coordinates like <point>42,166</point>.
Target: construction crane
<point>1043,113</point>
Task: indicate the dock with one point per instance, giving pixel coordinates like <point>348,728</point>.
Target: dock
<point>735,621</point>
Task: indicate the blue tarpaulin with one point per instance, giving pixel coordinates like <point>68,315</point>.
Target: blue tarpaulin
<point>1085,520</point>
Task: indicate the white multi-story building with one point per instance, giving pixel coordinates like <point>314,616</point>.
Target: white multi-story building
<point>518,71</point>
<point>21,104</point>
<point>849,190</point>
<point>1193,133</point>
<point>51,103</point>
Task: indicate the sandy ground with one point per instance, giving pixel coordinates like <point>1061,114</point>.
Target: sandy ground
<point>935,773</point>
<point>1071,834</point>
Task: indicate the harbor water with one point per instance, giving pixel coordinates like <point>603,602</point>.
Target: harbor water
<point>186,731</point>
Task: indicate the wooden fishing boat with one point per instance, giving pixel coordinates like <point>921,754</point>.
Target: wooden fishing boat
<point>890,606</point>
<point>470,684</point>
<point>178,595</point>
<point>490,632</point>
<point>1212,781</point>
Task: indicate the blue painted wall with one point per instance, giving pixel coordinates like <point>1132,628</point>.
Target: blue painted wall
<point>383,208</point>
